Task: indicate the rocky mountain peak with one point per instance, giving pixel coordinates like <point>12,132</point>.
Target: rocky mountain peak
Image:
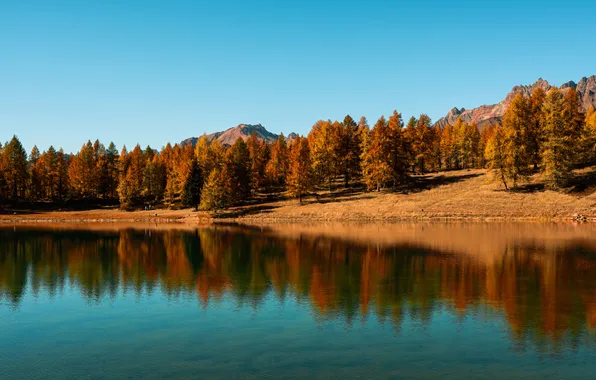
<point>487,115</point>
<point>243,131</point>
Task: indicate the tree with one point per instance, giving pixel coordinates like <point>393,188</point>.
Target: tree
<point>107,166</point>
<point>210,155</point>
<point>348,149</point>
<point>300,174</point>
<point>14,163</point>
<point>423,144</point>
<point>558,144</point>
<point>177,169</point>
<point>486,134</point>
<point>533,130</point>
<point>410,135</point>
<point>588,138</point>
<point>448,149</point>
<point>277,167</point>
<point>238,166</point>
<point>517,155</point>
<point>154,179</point>
<point>495,155</point>
<point>322,141</point>
<point>259,155</point>
<point>397,149</point>
<point>466,139</point>
<point>191,197</point>
<point>82,173</point>
<point>62,181</point>
<point>3,191</point>
<point>130,188</point>
<point>376,169</point>
<point>214,195</point>
<point>35,175</point>
<point>572,113</point>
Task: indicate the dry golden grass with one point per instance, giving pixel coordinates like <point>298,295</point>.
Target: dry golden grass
<point>471,194</point>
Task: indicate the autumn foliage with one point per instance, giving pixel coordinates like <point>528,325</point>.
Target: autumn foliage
<point>542,133</point>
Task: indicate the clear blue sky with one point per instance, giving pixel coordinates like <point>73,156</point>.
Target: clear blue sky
<point>158,71</point>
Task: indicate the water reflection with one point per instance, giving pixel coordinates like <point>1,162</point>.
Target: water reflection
<point>545,289</point>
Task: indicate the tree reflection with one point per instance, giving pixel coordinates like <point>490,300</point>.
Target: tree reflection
<point>547,295</point>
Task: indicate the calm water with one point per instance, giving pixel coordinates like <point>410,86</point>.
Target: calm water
<point>401,301</point>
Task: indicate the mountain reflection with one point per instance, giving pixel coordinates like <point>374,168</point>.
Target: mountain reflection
<point>545,292</point>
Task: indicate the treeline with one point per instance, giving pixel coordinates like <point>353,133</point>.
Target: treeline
<point>545,132</point>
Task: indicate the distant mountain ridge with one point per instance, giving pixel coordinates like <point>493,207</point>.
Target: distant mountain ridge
<point>487,115</point>
<point>243,131</point>
<point>483,116</point>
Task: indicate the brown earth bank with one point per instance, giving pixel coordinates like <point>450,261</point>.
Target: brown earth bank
<point>455,195</point>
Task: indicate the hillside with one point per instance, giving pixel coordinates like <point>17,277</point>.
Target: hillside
<point>487,115</point>
<point>462,194</point>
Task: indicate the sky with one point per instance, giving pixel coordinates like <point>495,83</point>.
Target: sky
<point>152,72</point>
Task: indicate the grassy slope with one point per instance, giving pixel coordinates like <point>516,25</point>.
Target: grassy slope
<point>471,194</point>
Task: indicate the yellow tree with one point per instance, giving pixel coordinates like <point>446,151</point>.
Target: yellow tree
<point>495,155</point>
<point>322,141</point>
<point>376,169</point>
<point>238,165</point>
<point>517,155</point>
<point>154,179</point>
<point>177,173</point>
<point>423,144</point>
<point>62,182</point>
<point>277,167</point>
<point>14,164</point>
<point>259,155</point>
<point>130,186</point>
<point>107,167</point>
<point>3,190</point>
<point>82,173</point>
<point>348,149</point>
<point>300,173</point>
<point>397,149</point>
<point>467,138</point>
<point>533,131</point>
<point>210,155</point>
<point>215,193</point>
<point>448,151</point>
<point>589,138</point>
<point>572,113</point>
<point>410,135</point>
<point>35,173</point>
<point>486,134</point>
<point>558,144</point>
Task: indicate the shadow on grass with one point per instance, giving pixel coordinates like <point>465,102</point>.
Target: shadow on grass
<point>529,188</point>
<point>583,184</point>
<point>34,208</point>
<point>339,194</point>
<point>244,211</point>
<point>418,184</point>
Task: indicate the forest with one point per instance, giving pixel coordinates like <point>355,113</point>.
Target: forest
<point>546,133</point>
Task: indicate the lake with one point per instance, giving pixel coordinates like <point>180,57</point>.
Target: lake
<point>411,300</point>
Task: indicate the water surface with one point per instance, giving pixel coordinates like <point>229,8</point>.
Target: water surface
<point>393,301</point>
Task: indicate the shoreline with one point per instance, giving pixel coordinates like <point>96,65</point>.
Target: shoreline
<point>281,220</point>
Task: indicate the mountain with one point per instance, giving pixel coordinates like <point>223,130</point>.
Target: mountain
<point>487,115</point>
<point>229,136</point>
